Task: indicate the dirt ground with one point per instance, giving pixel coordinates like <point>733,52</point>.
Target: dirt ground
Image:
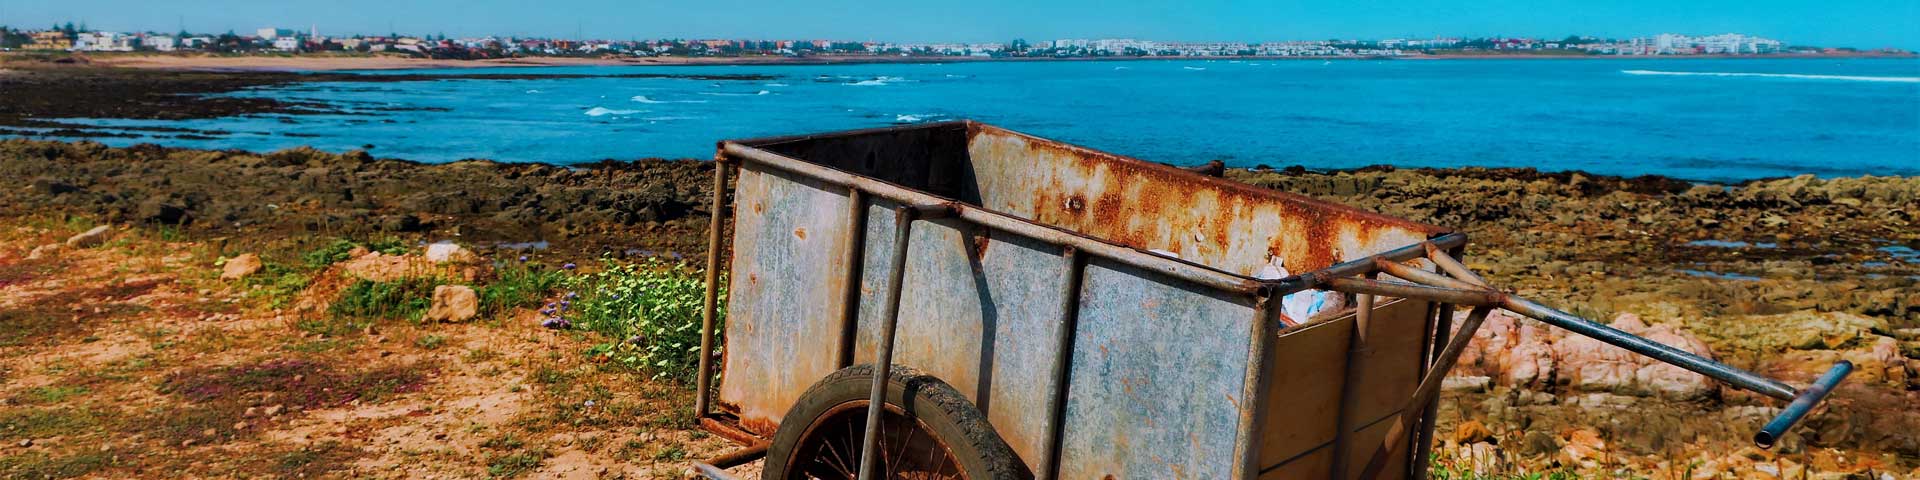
<point>134,359</point>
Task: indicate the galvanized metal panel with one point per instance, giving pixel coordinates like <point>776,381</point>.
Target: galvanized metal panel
<point>1226,225</point>
<point>1157,371</point>
<point>980,310</point>
<point>782,334</point>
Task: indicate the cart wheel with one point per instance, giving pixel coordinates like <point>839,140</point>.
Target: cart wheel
<point>929,431</point>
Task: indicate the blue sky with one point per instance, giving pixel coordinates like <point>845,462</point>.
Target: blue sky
<point>1853,23</point>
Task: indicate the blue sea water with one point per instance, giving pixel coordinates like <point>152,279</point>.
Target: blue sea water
<point>1700,119</point>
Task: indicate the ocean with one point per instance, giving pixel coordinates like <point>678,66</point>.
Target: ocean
<point>1717,120</point>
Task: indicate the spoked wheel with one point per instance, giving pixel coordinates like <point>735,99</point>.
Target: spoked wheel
<point>928,432</point>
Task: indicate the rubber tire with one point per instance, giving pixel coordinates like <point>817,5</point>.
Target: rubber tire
<point>980,451</point>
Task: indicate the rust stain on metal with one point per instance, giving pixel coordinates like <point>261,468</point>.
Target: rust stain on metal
<point>800,233</point>
<point>1222,224</point>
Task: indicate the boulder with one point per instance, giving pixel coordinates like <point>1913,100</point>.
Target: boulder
<point>1592,365</point>
<point>378,267</point>
<point>1527,354</point>
<point>453,303</point>
<point>1582,447</point>
<point>450,253</point>
<point>1874,361</point>
<point>1472,431</point>
<point>160,210</point>
<point>91,238</point>
<point>45,251</point>
<point>240,267</point>
<point>1509,350</point>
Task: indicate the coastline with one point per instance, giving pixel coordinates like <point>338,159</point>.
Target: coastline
<point>391,62</point>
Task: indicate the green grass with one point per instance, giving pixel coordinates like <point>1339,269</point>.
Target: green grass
<point>513,460</point>
<point>54,393</point>
<point>405,299</point>
<point>32,423</point>
<point>515,464</point>
<point>338,251</point>
<point>649,312</point>
<point>1460,471</point>
<point>279,286</point>
<point>41,465</point>
<point>314,461</point>
<point>519,284</point>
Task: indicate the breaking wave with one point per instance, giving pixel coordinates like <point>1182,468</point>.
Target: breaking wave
<point>644,99</point>
<point>916,117</point>
<point>877,81</point>
<point>604,111</point>
<point>1801,76</point>
<point>728,94</point>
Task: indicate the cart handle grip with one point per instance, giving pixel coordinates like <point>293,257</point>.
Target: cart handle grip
<point>1802,403</point>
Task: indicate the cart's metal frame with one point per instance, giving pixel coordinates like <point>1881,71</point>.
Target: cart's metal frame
<point>1456,286</point>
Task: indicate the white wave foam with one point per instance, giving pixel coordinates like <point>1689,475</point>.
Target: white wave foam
<point>776,85</point>
<point>877,81</point>
<point>1194,68</point>
<point>729,94</point>
<point>914,117</point>
<point>533,91</point>
<point>604,111</point>
<point>644,99</point>
<point>1801,76</point>
<point>1122,68</point>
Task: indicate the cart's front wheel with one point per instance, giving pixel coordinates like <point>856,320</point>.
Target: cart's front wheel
<point>928,431</point>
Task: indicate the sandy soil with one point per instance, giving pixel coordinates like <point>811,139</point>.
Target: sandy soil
<point>134,359</point>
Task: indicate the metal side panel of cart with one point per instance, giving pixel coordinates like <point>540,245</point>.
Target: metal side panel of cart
<point>982,311</point>
<point>782,332</point>
<point>1157,378</point>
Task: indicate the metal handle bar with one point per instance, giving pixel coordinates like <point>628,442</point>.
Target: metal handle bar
<point>1470,290</point>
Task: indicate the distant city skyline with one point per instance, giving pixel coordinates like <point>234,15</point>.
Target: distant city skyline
<point>1858,24</point>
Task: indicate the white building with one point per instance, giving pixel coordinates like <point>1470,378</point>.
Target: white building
<point>1724,44</point>
<point>286,44</point>
<point>164,43</point>
<point>271,33</point>
<point>103,42</point>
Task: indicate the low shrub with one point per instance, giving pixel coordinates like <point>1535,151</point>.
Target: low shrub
<point>650,312</point>
<point>338,250</point>
<point>518,284</point>
<point>406,298</point>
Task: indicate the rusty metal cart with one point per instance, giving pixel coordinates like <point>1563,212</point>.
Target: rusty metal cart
<point>1051,311</point>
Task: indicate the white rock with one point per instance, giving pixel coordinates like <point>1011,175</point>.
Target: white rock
<point>453,303</point>
<point>240,267</point>
<point>90,238</point>
<point>449,252</point>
